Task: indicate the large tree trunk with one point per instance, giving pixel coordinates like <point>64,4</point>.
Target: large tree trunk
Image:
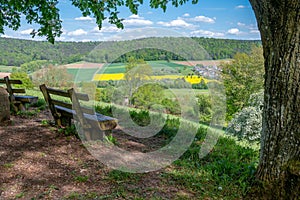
<point>279,166</point>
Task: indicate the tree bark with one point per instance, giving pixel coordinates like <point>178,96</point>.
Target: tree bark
<point>279,165</point>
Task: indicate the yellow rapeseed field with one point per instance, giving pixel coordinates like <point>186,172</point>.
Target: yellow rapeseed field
<point>120,76</point>
<point>107,77</point>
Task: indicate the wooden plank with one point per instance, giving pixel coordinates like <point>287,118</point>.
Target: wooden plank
<point>83,97</point>
<point>18,90</point>
<point>26,99</point>
<point>11,81</point>
<point>88,110</point>
<point>57,92</point>
<point>61,103</point>
<point>67,110</point>
<point>80,96</point>
<point>105,122</point>
<point>77,108</point>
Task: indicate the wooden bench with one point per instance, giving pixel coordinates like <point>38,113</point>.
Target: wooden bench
<point>17,101</point>
<point>91,124</point>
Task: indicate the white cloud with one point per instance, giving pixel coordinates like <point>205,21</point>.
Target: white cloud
<point>87,18</point>
<point>77,32</point>
<point>241,24</point>
<point>176,23</point>
<point>26,32</point>
<point>106,29</point>
<point>254,31</point>
<point>234,31</point>
<point>186,15</point>
<point>135,20</point>
<point>207,33</point>
<point>61,38</point>
<point>135,17</point>
<point>203,19</point>
<point>240,7</point>
<point>85,40</point>
<point>6,36</point>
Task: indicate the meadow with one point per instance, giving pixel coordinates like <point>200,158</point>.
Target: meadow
<point>4,68</point>
<point>227,172</point>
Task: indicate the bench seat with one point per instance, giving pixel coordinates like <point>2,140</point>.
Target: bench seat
<point>105,122</point>
<point>26,99</point>
<point>17,101</point>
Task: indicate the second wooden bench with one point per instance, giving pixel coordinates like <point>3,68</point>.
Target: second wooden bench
<point>17,101</point>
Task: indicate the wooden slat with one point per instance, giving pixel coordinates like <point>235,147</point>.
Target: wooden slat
<point>79,96</point>
<point>87,110</point>
<point>11,81</point>
<point>18,90</point>
<point>61,103</point>
<point>83,97</point>
<point>58,92</point>
<point>26,99</point>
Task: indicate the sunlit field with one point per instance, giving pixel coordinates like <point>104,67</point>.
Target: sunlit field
<point>120,76</point>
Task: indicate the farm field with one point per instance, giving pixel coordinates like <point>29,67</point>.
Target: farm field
<point>3,74</point>
<point>4,68</point>
<point>115,71</point>
<point>81,74</point>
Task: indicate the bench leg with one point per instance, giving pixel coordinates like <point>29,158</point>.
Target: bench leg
<point>14,108</point>
<point>58,121</point>
<point>21,107</point>
<point>97,135</point>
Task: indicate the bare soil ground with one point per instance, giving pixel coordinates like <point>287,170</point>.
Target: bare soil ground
<point>3,74</point>
<point>84,65</point>
<point>38,162</point>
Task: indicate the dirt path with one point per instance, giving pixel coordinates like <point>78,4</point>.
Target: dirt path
<point>37,162</point>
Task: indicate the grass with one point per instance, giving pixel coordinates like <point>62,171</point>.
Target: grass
<point>183,92</point>
<point>8,165</point>
<point>82,74</point>
<point>81,179</point>
<point>4,68</point>
<point>227,172</point>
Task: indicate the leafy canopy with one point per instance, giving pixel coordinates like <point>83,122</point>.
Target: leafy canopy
<point>243,77</point>
<point>46,14</point>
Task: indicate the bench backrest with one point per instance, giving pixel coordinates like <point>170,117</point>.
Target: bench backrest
<point>74,104</point>
<point>10,89</point>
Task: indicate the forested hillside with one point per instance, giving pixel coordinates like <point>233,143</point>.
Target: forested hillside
<point>15,52</point>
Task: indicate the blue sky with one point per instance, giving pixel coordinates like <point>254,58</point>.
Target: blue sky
<point>232,19</point>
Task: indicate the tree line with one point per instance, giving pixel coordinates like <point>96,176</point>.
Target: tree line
<point>16,52</point>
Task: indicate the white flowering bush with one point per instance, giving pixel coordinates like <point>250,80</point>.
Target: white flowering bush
<point>247,124</point>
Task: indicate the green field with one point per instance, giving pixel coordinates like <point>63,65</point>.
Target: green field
<point>82,74</point>
<point>4,68</point>
<point>115,68</point>
<point>164,67</point>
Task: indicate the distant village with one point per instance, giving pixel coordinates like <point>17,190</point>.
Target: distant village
<point>210,72</point>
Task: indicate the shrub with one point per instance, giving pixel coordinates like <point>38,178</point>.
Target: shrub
<point>26,81</point>
<point>247,124</point>
<point>205,108</point>
<point>53,76</point>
